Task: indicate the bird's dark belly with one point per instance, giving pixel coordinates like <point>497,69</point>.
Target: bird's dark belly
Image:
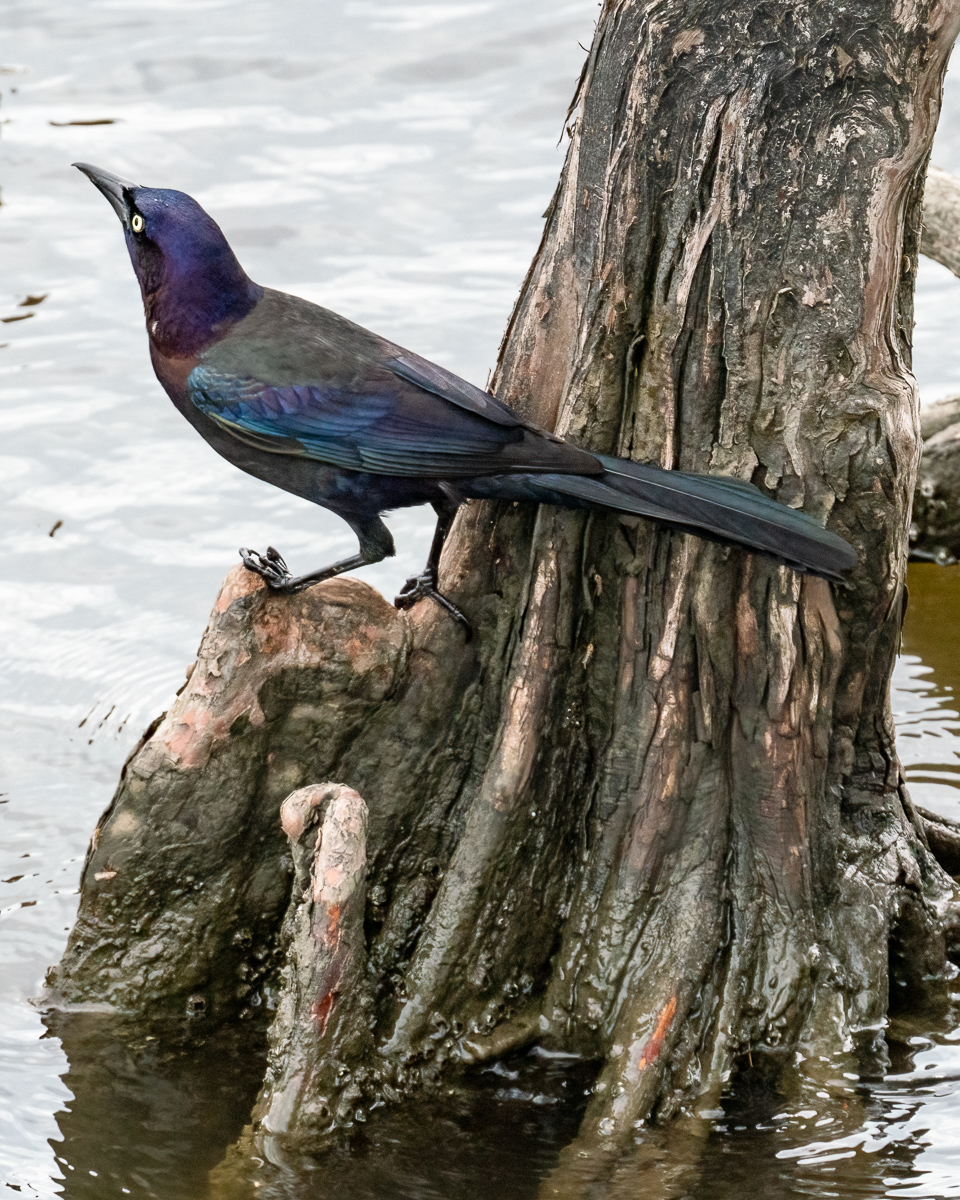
<point>337,488</point>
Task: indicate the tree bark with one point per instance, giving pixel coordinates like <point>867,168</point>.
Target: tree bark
<point>188,874</point>
<point>653,813</point>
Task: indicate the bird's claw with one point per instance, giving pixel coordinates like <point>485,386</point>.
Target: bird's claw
<point>270,567</point>
<point>422,587</point>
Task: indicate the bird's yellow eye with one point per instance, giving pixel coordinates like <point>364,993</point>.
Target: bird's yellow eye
<point>136,223</point>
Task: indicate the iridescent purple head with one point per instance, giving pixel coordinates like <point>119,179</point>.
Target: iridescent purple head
<point>192,285</point>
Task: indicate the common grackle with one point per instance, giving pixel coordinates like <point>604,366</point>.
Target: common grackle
<point>307,400</point>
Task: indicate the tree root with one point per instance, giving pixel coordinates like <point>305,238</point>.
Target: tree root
<point>323,1022</point>
<point>188,874</point>
<point>943,838</point>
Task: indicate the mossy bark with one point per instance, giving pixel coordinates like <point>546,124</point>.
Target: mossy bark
<point>653,813</point>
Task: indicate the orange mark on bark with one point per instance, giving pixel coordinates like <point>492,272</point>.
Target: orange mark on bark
<point>651,1050</point>
<point>332,932</point>
<point>322,1009</point>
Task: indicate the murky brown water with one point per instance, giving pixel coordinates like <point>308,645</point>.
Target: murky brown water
<point>392,160</point>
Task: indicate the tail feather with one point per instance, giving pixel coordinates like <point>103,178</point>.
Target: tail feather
<point>715,506</point>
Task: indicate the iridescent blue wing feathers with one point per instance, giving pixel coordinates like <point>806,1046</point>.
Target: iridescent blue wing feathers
<point>384,429</point>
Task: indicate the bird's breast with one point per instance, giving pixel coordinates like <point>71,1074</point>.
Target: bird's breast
<point>293,475</point>
<point>173,374</point>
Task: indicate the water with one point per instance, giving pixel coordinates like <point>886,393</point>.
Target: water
<point>392,160</point>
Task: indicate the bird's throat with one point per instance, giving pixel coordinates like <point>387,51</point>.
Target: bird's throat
<point>192,307</point>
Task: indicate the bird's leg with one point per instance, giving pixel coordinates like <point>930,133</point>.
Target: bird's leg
<point>276,574</point>
<point>376,544</point>
<point>424,585</point>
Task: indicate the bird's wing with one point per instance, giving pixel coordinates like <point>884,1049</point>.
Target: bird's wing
<point>295,378</point>
<point>440,382</point>
<point>398,423</point>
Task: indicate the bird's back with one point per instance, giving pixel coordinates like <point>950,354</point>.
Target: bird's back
<point>287,340</point>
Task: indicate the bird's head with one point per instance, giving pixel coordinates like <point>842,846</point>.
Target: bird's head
<point>193,287</point>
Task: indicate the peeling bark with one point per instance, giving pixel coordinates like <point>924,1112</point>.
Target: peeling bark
<point>653,814</point>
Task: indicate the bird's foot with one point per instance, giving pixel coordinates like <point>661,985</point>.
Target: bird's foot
<point>424,586</point>
<point>271,568</point>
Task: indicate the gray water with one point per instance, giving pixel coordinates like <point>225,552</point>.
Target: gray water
<point>391,160</point>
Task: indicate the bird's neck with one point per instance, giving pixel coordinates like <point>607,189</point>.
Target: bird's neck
<point>193,305</point>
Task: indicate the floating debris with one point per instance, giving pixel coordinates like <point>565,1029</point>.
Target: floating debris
<point>18,317</point>
<point>55,528</point>
<point>96,121</point>
<point>32,301</point>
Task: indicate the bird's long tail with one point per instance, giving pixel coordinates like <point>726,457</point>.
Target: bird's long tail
<point>714,506</point>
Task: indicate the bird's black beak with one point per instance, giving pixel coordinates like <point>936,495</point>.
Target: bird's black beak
<point>112,186</point>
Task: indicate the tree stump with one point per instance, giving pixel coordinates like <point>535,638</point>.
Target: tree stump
<point>653,813</point>
<point>188,875</point>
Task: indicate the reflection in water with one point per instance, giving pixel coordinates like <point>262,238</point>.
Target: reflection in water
<point>926,688</point>
<point>392,160</point>
<point>149,1117</point>
<point>524,1111</point>
<point>883,1147</point>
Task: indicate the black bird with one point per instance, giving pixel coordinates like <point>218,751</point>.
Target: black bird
<point>307,400</point>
